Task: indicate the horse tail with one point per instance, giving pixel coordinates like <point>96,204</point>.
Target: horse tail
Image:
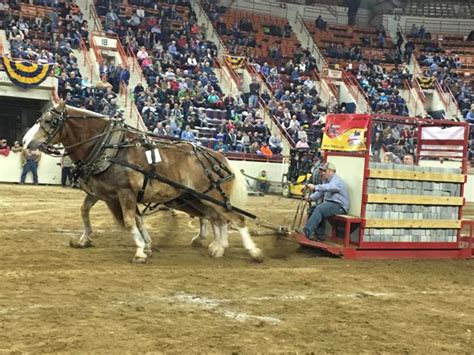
<point>238,193</point>
<point>116,210</point>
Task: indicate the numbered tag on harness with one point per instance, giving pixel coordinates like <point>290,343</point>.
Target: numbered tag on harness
<point>153,156</point>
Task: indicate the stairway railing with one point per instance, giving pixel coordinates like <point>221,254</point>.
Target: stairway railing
<point>87,61</point>
<point>419,90</point>
<point>356,91</point>
<point>320,61</point>
<point>412,99</point>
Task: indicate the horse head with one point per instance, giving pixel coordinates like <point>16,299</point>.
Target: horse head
<point>46,130</point>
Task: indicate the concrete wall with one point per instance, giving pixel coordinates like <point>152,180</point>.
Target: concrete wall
<point>41,92</point>
<point>49,172</point>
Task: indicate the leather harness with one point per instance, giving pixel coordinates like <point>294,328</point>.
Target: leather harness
<point>111,140</point>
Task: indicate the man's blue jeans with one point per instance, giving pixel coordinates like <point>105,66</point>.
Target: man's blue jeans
<point>315,223</point>
<point>32,166</point>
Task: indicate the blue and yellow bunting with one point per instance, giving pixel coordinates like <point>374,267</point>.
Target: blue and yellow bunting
<point>26,74</point>
<point>235,62</point>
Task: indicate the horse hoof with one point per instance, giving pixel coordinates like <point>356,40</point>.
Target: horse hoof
<point>216,251</point>
<point>257,255</point>
<point>76,244</point>
<point>197,243</point>
<point>139,260</point>
<point>148,252</point>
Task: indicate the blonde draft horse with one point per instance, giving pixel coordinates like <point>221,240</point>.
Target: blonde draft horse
<point>79,130</point>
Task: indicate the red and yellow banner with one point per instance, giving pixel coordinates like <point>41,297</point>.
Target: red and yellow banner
<point>345,132</point>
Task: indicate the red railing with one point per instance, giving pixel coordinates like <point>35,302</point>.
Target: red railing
<point>95,48</point>
<point>440,91</point>
<point>447,97</point>
<point>231,72</point>
<point>412,98</point>
<point>95,18</point>
<point>135,66</point>
<point>87,61</point>
<point>452,100</point>
<point>54,94</point>
<point>355,89</point>
<point>419,90</point>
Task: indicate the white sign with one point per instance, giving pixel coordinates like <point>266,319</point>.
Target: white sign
<point>105,42</point>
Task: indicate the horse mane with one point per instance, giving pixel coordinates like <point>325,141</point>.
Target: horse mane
<point>74,111</point>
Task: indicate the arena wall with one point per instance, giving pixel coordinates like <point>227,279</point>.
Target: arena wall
<point>49,172</point>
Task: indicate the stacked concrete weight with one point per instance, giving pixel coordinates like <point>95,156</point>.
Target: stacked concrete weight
<point>416,212</point>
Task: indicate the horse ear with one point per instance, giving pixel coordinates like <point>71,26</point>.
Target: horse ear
<point>61,105</point>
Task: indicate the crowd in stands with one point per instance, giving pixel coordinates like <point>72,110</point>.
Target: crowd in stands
<point>444,64</point>
<point>51,40</point>
<point>180,95</point>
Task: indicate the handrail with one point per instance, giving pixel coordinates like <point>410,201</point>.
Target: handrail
<point>118,45</point>
<point>54,94</point>
<point>263,105</point>
<point>320,61</point>
<point>233,74</point>
<point>221,48</point>
<point>440,91</point>
<point>453,100</point>
<point>95,48</point>
<point>140,124</point>
<point>419,90</point>
<point>135,64</point>
<point>447,97</point>
<point>350,82</point>
<point>87,61</point>
<point>330,84</point>
<point>95,18</point>
<point>412,97</point>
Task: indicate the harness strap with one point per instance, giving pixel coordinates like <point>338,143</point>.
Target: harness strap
<point>141,193</point>
<point>214,184</point>
<point>172,183</point>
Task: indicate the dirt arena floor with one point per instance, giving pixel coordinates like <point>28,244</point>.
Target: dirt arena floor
<point>57,299</point>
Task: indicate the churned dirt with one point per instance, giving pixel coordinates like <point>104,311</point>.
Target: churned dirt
<point>57,299</point>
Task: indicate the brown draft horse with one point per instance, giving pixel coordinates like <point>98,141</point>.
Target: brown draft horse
<point>82,134</point>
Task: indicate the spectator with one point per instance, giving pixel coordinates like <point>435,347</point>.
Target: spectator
<point>302,143</point>
<point>220,146</point>
<point>254,93</point>
<point>265,150</point>
<point>408,159</point>
<point>30,159</point>
<point>275,143</point>
<point>470,115</point>
<point>263,185</point>
<point>188,135</point>
<point>4,148</point>
<point>66,170</point>
<point>16,147</point>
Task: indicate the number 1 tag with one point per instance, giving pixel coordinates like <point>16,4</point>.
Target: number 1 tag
<point>153,156</point>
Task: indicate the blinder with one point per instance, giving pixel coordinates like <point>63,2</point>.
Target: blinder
<point>56,122</point>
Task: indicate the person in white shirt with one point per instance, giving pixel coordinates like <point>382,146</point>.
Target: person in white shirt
<point>142,54</point>
<point>140,12</point>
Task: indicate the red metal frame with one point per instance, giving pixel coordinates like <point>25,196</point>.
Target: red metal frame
<point>459,249</point>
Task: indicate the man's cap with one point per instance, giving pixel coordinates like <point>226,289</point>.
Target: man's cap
<point>328,166</point>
